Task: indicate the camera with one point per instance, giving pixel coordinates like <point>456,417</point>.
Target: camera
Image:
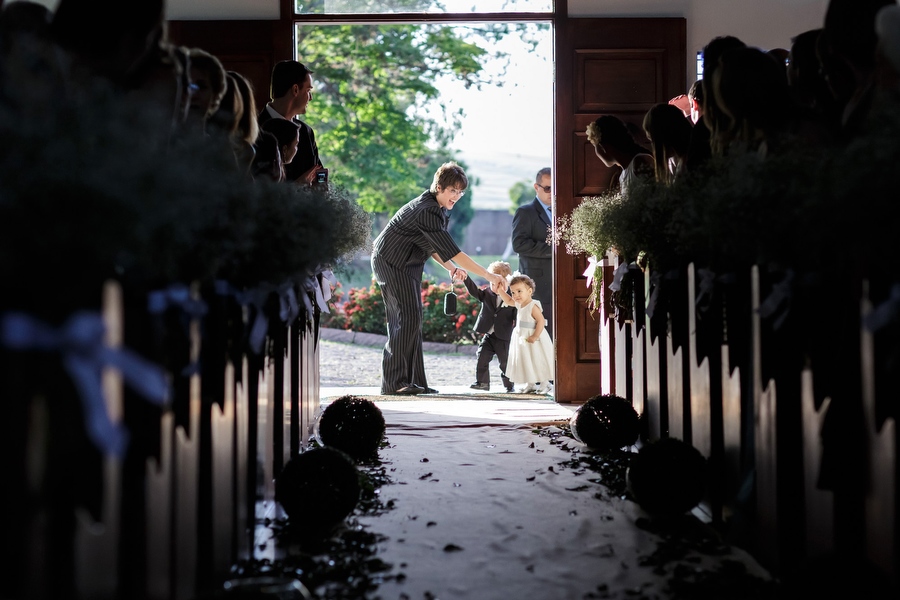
<point>322,176</point>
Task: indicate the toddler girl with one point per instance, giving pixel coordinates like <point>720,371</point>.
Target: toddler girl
<point>530,349</point>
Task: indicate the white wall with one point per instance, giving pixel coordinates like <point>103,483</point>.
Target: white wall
<point>765,24</point>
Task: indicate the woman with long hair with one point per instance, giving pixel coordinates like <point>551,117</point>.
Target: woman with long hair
<point>669,133</point>
<point>615,147</point>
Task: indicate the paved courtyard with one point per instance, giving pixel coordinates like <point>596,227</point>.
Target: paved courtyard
<point>350,359</point>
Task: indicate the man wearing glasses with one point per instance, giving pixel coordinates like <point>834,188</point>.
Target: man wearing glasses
<point>417,232</point>
<point>530,229</point>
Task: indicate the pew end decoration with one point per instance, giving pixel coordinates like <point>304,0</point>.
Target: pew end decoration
<point>667,477</point>
<point>605,422</point>
<point>351,424</point>
<point>320,481</point>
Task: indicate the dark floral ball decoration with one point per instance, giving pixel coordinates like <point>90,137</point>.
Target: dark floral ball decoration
<point>319,488</point>
<point>352,424</point>
<point>605,423</point>
<point>667,477</point>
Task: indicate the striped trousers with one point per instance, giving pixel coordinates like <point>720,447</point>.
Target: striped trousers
<point>402,362</point>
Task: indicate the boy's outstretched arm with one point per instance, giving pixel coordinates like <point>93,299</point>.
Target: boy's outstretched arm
<point>500,290</point>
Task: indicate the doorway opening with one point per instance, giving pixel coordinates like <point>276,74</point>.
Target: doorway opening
<point>388,108</point>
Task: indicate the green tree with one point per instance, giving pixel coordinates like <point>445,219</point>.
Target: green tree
<point>521,192</point>
<point>371,86</point>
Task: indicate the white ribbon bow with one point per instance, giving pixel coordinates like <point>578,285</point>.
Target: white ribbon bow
<point>329,276</point>
<point>509,278</point>
<point>593,263</point>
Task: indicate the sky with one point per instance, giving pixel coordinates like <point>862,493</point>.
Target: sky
<point>507,133</point>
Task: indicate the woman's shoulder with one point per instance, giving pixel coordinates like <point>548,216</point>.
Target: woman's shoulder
<point>640,166</point>
<point>426,201</point>
<point>423,202</point>
<point>426,197</point>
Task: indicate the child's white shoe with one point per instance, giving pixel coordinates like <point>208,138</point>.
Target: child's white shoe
<point>529,388</point>
<point>545,388</point>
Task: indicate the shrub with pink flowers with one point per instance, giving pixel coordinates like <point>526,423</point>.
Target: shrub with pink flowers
<point>362,309</point>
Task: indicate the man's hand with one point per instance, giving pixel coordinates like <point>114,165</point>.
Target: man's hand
<point>500,284</point>
<point>309,176</point>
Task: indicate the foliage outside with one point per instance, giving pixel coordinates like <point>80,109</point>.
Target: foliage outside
<point>363,310</point>
<point>381,125</point>
<point>520,194</point>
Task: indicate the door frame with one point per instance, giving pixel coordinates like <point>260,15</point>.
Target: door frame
<point>253,48</point>
<point>599,47</point>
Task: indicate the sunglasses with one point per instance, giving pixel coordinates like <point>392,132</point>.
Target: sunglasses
<point>546,188</point>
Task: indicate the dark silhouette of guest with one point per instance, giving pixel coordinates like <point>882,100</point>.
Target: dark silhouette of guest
<point>846,50</point>
<point>288,135</point>
<point>247,126</point>
<point>753,101</point>
<point>210,83</point>
<point>817,112</point>
<point>669,133</point>
<point>713,120</point>
<point>291,93</point>
<point>615,147</point>
<point>23,18</point>
<point>266,164</point>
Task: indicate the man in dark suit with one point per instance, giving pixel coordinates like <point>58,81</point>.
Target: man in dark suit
<point>530,228</point>
<point>291,91</point>
<point>496,322</point>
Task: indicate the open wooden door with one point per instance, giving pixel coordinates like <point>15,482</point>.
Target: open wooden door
<point>603,66</point>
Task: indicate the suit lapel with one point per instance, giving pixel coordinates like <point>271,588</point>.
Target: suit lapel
<point>542,214</point>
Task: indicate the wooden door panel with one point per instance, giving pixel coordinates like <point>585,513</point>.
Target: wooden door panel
<point>613,81</point>
<point>604,66</point>
<point>256,68</point>
<point>591,177</point>
<point>589,346</point>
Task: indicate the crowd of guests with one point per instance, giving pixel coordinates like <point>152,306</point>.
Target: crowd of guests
<point>186,90</point>
<point>820,92</point>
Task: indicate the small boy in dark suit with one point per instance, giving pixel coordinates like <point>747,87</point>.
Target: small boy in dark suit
<point>495,321</point>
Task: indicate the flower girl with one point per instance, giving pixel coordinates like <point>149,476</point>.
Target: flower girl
<point>530,359</point>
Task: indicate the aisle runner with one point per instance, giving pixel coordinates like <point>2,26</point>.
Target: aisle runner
<point>484,509</point>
